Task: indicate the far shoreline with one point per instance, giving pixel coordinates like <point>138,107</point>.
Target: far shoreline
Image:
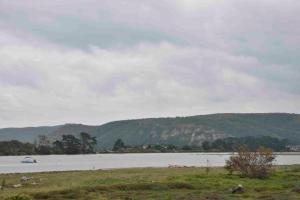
<point>120,153</point>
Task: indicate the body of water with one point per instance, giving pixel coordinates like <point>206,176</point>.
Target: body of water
<point>12,164</point>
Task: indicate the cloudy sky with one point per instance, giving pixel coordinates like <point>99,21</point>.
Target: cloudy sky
<point>94,61</point>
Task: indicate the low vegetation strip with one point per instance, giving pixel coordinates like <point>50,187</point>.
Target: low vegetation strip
<point>152,183</point>
<point>86,145</point>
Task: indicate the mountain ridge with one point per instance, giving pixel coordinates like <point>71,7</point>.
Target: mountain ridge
<point>189,130</point>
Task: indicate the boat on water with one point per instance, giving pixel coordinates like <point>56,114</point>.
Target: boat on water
<point>28,160</point>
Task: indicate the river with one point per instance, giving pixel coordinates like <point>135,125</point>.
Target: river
<point>12,164</point>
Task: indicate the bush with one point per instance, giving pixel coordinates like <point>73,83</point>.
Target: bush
<point>253,164</point>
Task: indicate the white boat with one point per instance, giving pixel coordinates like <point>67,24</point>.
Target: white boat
<point>28,160</point>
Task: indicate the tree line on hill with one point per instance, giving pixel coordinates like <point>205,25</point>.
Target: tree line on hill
<point>85,144</point>
<point>233,144</point>
<point>229,144</point>
<point>69,144</point>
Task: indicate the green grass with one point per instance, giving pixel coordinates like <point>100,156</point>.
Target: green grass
<point>154,183</point>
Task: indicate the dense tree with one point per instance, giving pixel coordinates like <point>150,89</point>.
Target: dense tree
<point>43,145</point>
<point>71,144</point>
<point>44,150</point>
<point>58,147</point>
<point>171,147</point>
<point>68,145</point>
<point>233,144</point>
<point>206,145</point>
<point>119,144</point>
<point>15,147</point>
<point>187,148</point>
<point>88,143</point>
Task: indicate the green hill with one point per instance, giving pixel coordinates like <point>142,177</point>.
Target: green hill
<point>196,129</point>
<point>179,131</point>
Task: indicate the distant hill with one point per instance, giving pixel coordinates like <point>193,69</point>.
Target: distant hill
<point>179,131</point>
<point>28,134</point>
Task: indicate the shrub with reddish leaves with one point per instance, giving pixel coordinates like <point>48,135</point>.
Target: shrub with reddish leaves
<point>252,164</point>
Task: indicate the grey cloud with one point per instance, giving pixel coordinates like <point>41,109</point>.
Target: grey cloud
<point>95,62</point>
<point>83,33</point>
<point>19,76</point>
<point>70,78</point>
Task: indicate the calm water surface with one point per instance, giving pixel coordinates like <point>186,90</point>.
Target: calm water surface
<point>12,164</point>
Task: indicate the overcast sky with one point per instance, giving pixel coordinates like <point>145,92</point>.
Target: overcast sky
<point>94,61</point>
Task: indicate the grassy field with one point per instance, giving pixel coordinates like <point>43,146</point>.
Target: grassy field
<point>153,183</point>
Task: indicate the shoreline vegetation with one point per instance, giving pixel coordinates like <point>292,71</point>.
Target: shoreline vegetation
<point>87,144</point>
<point>151,183</point>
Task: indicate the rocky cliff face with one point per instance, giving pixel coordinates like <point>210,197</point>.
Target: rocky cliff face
<point>188,134</point>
